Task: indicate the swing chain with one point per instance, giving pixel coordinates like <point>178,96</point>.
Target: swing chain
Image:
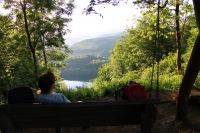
<point>157,49</point>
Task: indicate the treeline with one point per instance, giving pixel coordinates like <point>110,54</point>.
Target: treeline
<point>82,67</point>
<point>133,56</point>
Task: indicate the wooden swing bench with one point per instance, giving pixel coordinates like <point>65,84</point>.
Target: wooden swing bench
<point>85,114</point>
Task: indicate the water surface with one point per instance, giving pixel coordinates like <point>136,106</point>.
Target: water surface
<point>74,84</point>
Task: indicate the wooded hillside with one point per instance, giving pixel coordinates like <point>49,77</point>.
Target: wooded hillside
<point>83,68</point>
<point>87,56</point>
<point>95,46</point>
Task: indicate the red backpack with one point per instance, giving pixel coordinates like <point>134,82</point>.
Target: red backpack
<point>135,91</point>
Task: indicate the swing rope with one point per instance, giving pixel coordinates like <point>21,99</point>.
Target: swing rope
<point>157,51</point>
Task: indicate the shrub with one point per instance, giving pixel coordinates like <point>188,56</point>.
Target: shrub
<point>81,93</point>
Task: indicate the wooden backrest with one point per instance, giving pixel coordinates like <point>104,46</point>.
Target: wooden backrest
<point>85,114</point>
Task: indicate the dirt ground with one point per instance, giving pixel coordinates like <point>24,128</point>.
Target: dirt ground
<point>164,122</point>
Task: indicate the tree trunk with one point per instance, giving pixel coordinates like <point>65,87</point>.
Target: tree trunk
<point>44,51</point>
<point>23,5</point>
<point>191,73</point>
<point>178,37</point>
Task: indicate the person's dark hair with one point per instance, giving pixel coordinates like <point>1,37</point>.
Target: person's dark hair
<point>46,81</point>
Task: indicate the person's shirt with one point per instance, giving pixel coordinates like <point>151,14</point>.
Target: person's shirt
<point>51,98</point>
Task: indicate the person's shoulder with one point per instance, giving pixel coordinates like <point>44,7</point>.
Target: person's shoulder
<point>62,96</point>
<point>57,94</point>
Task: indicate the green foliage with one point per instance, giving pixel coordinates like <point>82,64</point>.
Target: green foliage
<point>105,88</point>
<point>131,75</point>
<point>60,86</point>
<point>168,64</point>
<point>133,56</point>
<point>170,82</point>
<point>82,93</point>
<point>32,42</point>
<point>197,82</point>
<point>190,41</point>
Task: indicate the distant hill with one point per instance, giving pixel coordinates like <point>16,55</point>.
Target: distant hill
<point>71,39</point>
<point>96,46</point>
<point>88,55</point>
<point>82,68</point>
<point>77,38</point>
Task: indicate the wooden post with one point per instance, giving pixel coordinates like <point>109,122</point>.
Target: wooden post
<point>6,125</point>
<point>147,118</point>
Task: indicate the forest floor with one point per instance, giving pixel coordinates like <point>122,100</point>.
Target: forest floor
<point>165,120</point>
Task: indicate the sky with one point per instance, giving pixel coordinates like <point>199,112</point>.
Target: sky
<point>115,18</point>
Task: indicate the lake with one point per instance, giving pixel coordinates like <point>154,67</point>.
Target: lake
<point>74,84</point>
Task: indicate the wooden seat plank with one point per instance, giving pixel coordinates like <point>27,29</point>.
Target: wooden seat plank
<point>85,114</point>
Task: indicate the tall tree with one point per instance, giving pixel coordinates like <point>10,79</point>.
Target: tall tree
<point>135,51</point>
<point>7,56</point>
<point>178,36</point>
<point>37,19</point>
<point>180,22</point>
<point>191,73</point>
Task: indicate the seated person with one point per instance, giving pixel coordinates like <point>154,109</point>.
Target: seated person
<point>46,94</point>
